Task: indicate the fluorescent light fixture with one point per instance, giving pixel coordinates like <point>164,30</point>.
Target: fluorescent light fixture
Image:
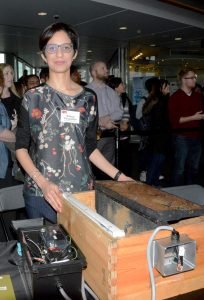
<point>152,45</point>
<point>178,38</point>
<point>42,13</point>
<point>137,56</point>
<point>89,51</point>
<point>123,28</point>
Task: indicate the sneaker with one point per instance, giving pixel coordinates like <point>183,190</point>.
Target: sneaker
<point>143,176</point>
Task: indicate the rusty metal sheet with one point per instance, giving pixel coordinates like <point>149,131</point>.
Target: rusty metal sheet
<point>153,203</point>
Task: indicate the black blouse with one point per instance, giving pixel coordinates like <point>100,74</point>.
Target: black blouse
<point>59,146</point>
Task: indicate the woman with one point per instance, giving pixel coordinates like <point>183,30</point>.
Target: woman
<point>117,84</point>
<point>6,135</point>
<point>156,110</point>
<point>10,97</point>
<point>58,123</point>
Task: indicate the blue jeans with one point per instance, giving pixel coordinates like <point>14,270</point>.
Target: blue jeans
<point>38,207</point>
<point>154,168</point>
<point>187,154</point>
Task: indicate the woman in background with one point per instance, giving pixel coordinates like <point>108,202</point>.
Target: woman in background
<point>12,103</point>
<point>6,135</point>
<point>9,96</point>
<point>124,153</point>
<point>156,108</point>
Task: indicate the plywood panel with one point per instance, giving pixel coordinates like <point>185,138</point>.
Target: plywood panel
<point>96,245</point>
<point>132,271</point>
<point>87,198</point>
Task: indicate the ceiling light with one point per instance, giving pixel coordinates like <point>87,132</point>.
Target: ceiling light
<point>137,56</point>
<point>89,51</point>
<point>178,38</point>
<point>152,45</point>
<point>42,13</point>
<point>123,28</point>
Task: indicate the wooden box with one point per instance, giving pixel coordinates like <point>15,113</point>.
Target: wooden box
<point>117,266</point>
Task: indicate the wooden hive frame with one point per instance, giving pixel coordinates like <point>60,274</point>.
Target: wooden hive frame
<point>117,267</point>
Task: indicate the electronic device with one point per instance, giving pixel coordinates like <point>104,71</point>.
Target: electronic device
<point>52,261</point>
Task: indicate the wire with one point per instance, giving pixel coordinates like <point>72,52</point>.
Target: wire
<point>85,286</point>
<point>150,257</point>
<point>31,241</point>
<point>62,291</point>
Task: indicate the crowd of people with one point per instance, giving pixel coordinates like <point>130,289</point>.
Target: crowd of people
<point>64,129</point>
<point>171,125</point>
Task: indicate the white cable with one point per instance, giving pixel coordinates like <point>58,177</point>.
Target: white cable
<point>150,257</point>
<point>83,293</point>
<point>64,294</point>
<point>85,286</point>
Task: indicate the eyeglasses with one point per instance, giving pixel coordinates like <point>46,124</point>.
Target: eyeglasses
<point>52,48</point>
<point>193,77</point>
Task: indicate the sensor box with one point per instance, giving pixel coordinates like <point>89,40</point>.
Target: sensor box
<point>50,256</point>
<point>174,256</point>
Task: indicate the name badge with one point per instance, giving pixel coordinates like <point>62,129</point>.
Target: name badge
<point>69,116</point>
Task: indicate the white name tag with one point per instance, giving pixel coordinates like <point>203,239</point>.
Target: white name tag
<point>69,116</point>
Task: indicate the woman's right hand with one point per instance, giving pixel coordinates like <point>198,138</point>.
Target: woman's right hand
<point>52,195</point>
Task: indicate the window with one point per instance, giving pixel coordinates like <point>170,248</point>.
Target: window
<point>2,58</point>
<point>20,69</point>
<point>28,69</point>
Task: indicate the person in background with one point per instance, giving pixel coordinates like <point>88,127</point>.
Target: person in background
<point>117,84</point>
<point>6,135</point>
<point>152,86</point>
<point>19,88</point>
<point>44,75</point>
<point>9,96</point>
<point>76,76</point>
<point>186,111</point>
<point>156,107</point>
<point>12,104</point>
<point>56,135</point>
<point>109,109</point>
<point>22,79</point>
<point>32,81</point>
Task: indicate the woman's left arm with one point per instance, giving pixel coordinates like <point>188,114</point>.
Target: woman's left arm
<point>103,164</point>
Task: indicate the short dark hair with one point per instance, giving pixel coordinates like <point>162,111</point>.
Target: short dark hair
<point>185,71</point>
<point>49,31</point>
<point>30,76</point>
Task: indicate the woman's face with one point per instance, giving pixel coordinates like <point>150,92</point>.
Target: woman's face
<point>8,76</point>
<point>59,61</point>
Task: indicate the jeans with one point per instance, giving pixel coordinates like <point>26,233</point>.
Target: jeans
<point>187,154</point>
<point>38,207</point>
<point>154,168</point>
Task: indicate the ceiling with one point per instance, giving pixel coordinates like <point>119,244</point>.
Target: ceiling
<point>97,22</point>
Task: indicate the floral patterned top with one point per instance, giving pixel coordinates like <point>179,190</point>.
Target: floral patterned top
<point>59,146</point>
